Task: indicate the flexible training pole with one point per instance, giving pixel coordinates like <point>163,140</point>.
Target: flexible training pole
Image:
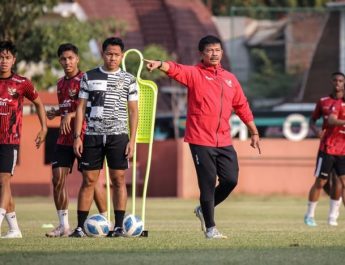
<point>107,184</point>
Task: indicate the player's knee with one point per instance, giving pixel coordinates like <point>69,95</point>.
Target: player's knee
<point>4,180</point>
<point>230,182</point>
<point>118,181</point>
<point>320,183</point>
<point>89,182</point>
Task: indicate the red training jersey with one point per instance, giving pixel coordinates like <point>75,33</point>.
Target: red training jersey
<point>335,135</point>
<point>213,94</point>
<point>322,110</point>
<point>12,93</point>
<point>67,92</point>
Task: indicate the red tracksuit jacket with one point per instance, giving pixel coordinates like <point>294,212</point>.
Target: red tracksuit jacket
<point>213,93</point>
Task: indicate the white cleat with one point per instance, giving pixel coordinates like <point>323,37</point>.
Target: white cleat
<point>59,231</point>
<point>198,213</point>
<point>213,233</point>
<point>13,234</point>
<point>332,221</point>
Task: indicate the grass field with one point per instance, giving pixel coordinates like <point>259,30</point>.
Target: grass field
<point>261,230</point>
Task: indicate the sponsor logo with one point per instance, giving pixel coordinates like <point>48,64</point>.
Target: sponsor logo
<point>66,104</point>
<point>228,82</point>
<point>4,101</point>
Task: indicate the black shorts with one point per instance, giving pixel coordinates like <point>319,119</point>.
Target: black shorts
<point>326,163</point>
<point>97,147</point>
<point>64,157</point>
<point>8,157</point>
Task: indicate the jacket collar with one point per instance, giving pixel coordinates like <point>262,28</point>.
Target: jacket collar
<point>212,69</point>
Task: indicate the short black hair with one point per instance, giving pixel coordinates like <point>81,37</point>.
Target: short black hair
<point>113,41</point>
<point>67,47</point>
<point>8,46</point>
<point>338,73</point>
<point>209,39</point>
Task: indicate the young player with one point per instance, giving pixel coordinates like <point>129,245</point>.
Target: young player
<point>213,93</point>
<point>105,95</point>
<point>13,89</point>
<point>323,170</point>
<point>67,92</point>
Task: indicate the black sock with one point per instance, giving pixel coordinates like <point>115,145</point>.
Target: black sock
<point>82,215</point>
<point>119,215</point>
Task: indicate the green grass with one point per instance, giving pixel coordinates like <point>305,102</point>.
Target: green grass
<point>261,230</point>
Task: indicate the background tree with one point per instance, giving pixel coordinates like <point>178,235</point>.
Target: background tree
<point>18,17</point>
<point>38,32</point>
<point>222,7</point>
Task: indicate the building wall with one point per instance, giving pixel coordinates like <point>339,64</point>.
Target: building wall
<point>302,35</point>
<point>284,167</point>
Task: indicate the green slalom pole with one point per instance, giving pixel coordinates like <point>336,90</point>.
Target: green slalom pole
<point>107,184</point>
<point>148,92</point>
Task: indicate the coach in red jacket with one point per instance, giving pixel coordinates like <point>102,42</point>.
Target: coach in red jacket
<point>213,94</point>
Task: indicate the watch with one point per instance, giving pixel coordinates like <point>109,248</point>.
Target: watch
<point>76,136</point>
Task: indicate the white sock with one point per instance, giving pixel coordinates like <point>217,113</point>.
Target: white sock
<point>11,219</point>
<point>334,209</point>
<point>63,218</point>
<point>2,215</point>
<point>105,214</point>
<point>311,209</point>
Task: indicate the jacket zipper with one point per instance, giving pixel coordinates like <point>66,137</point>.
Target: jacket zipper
<point>221,110</point>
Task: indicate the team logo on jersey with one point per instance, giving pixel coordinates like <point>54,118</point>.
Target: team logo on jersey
<point>12,92</point>
<point>72,92</point>
<point>228,82</point>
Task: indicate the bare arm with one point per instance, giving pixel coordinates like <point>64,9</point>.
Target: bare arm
<point>78,125</point>
<point>41,113</point>
<point>133,125</point>
<point>52,113</point>
<point>333,120</point>
<point>152,65</point>
<point>254,135</point>
<point>314,128</point>
<point>65,126</point>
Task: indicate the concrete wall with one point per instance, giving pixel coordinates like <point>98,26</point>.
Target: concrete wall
<point>284,167</point>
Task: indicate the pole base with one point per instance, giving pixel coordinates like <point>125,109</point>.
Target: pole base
<point>144,233</point>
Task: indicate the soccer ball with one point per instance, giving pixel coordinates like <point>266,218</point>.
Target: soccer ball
<point>96,225</point>
<point>132,225</point>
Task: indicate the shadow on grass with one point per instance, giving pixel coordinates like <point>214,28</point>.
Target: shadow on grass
<point>292,255</point>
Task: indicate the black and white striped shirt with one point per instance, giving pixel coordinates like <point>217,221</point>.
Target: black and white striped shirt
<point>107,95</point>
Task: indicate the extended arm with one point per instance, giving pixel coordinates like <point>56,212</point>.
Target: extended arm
<point>152,65</point>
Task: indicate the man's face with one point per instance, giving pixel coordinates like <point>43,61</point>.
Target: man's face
<point>338,82</point>
<point>112,57</point>
<point>212,54</point>
<point>69,62</point>
<point>7,60</point>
